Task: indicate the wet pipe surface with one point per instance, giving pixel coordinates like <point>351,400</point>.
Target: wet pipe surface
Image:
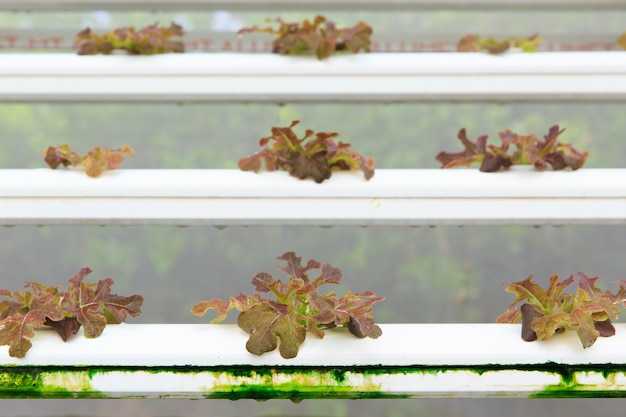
<point>298,382</point>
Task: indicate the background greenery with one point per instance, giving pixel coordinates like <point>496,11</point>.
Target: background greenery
<point>442,274</point>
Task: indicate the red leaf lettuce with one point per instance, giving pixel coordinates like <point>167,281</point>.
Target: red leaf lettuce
<point>297,307</point>
<point>90,305</point>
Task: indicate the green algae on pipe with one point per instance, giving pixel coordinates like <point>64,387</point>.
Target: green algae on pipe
<point>603,382</point>
<point>29,382</point>
<point>303,382</point>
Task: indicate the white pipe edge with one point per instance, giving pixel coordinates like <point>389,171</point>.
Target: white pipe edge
<point>323,5</point>
<point>245,77</point>
<point>392,197</point>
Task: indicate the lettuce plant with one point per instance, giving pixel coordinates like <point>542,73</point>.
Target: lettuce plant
<point>528,150</point>
<point>320,37</point>
<point>90,305</point>
<point>545,312</point>
<point>149,40</point>
<point>298,308</point>
<point>316,158</point>
<point>94,162</point>
<point>621,42</point>
<point>473,43</point>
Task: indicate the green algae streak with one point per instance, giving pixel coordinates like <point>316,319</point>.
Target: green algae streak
<point>294,382</point>
<point>587,381</point>
<point>36,382</point>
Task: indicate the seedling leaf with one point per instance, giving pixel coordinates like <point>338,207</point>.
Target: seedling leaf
<point>474,152</point>
<point>96,161</point>
<point>314,155</point>
<point>298,308</point>
<point>266,327</point>
<point>149,40</point>
<point>320,37</point>
<point>526,150</point>
<point>88,304</point>
<point>28,311</point>
<point>547,312</point>
<point>89,301</point>
<point>66,327</point>
<point>357,38</point>
<point>473,43</point>
<point>621,42</point>
<point>242,302</point>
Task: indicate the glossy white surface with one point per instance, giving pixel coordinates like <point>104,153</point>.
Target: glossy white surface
<point>241,77</point>
<point>391,197</point>
<point>400,345</point>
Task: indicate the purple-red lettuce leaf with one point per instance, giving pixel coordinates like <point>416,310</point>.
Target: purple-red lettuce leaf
<point>515,149</point>
<point>93,162</point>
<point>294,266</point>
<point>98,159</point>
<point>297,308</point>
<point>356,38</point>
<point>547,312</point>
<point>88,304</point>
<point>266,327</point>
<point>66,327</point>
<point>94,306</point>
<point>319,37</point>
<point>23,313</point>
<point>62,155</point>
<point>314,155</point>
<point>242,302</point>
<point>473,152</point>
<point>149,40</point>
<point>355,312</point>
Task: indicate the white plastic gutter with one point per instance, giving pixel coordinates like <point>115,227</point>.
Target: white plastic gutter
<point>223,197</point>
<point>245,77</point>
<point>408,360</point>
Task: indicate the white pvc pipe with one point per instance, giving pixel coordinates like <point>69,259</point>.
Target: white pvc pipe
<point>241,77</point>
<point>391,197</point>
<point>408,360</point>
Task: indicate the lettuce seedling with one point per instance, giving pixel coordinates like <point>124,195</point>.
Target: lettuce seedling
<point>90,305</point>
<point>316,158</point>
<point>621,42</point>
<point>529,150</point>
<point>298,307</point>
<point>320,37</point>
<point>545,312</point>
<point>149,40</point>
<point>94,162</point>
<point>473,43</point>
